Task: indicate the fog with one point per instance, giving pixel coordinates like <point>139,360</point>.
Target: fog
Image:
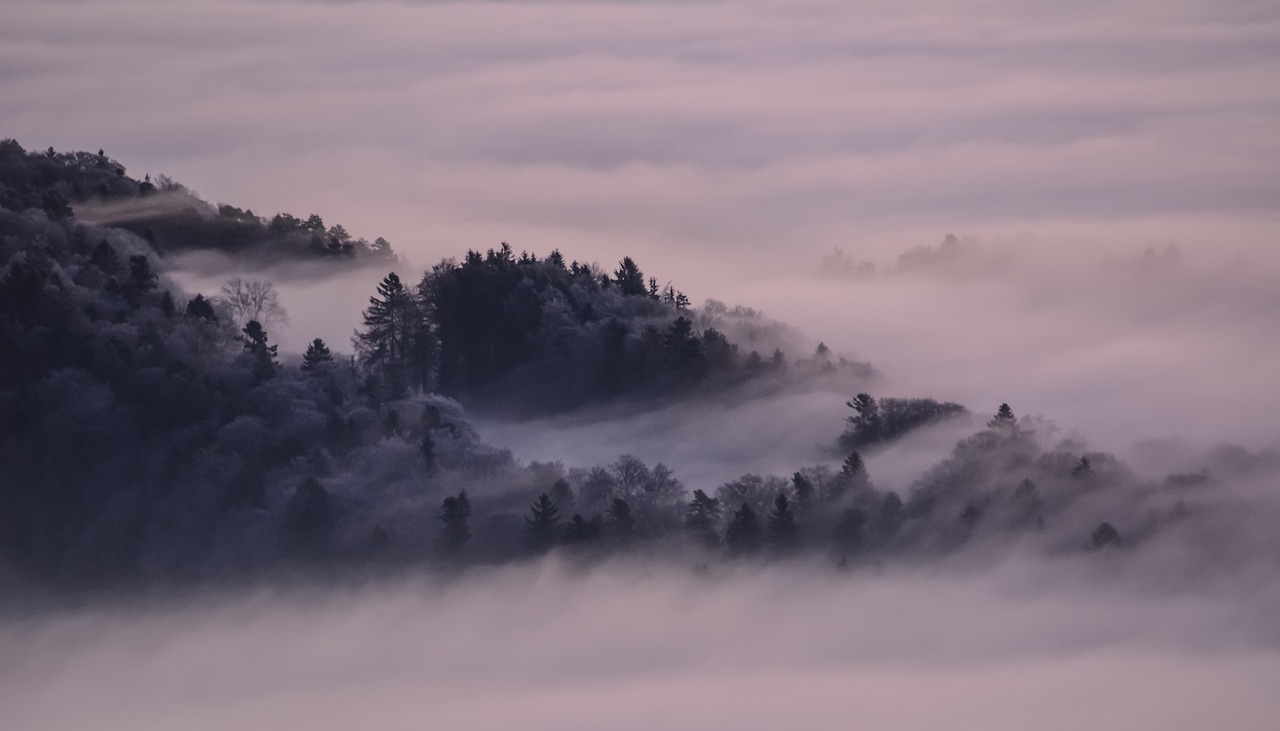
<point>634,647</point>
<point>1110,172</point>
<point>713,134</point>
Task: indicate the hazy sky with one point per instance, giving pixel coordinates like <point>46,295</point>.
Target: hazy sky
<point>769,129</point>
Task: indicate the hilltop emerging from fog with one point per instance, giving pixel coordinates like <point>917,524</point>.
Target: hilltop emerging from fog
<point>155,435</point>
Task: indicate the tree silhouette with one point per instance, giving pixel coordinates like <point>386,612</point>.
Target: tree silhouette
<point>629,278</point>
<point>702,518</point>
<point>264,355</point>
<point>1004,418</point>
<point>317,356</point>
<point>742,535</point>
<point>200,307</point>
<point>387,345</point>
<point>540,524</point>
<point>455,515</point>
<point>866,422</point>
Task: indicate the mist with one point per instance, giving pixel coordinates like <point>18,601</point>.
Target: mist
<point>636,646</point>
<point>1069,210</point>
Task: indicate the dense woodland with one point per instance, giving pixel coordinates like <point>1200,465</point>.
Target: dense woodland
<point>148,434</point>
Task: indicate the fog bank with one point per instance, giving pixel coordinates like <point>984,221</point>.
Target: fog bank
<point>640,647</point>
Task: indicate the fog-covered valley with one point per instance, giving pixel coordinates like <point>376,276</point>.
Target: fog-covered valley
<point>637,365</point>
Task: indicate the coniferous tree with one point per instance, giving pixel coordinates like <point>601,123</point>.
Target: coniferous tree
<point>1004,418</point>
<point>742,535</point>
<point>702,518</point>
<point>200,307</point>
<point>867,424</point>
<point>455,516</point>
<point>390,341</point>
<point>629,278</point>
<point>317,356</point>
<point>541,524</point>
<point>264,355</point>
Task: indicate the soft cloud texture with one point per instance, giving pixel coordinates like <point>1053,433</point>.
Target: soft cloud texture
<point>1046,647</point>
<point>700,132</point>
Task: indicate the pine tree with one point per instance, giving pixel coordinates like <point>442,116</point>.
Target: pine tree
<point>1004,418</point>
<point>200,307</point>
<point>391,339</point>
<point>854,467</point>
<point>540,525</point>
<point>264,355</point>
<point>702,516</point>
<point>868,426</point>
<point>629,278</point>
<point>317,356</point>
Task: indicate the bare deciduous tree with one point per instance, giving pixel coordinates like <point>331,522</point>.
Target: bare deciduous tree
<point>253,299</point>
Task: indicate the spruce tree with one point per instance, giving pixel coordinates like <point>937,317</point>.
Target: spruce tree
<point>540,524</point>
<point>317,355</point>
<point>1004,418</point>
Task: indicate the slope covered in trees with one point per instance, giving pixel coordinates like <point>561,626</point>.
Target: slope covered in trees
<point>169,216</point>
<point>529,335</point>
<point>145,437</point>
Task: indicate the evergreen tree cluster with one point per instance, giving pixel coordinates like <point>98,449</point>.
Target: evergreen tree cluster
<point>876,421</point>
<point>529,335</point>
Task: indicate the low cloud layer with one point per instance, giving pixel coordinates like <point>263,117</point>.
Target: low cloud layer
<point>1049,647</point>
<point>698,131</point>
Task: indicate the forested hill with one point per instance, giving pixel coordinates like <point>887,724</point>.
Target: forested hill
<point>169,216</point>
<point>146,434</point>
<point>525,335</point>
